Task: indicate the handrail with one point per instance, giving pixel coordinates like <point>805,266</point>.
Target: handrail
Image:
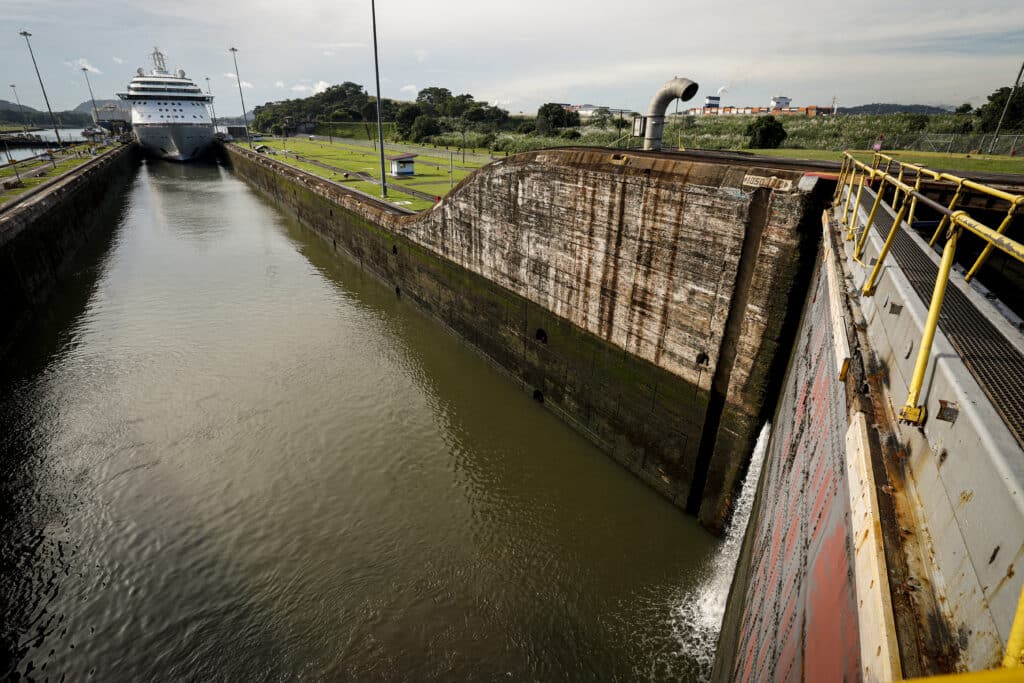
<point>954,221</point>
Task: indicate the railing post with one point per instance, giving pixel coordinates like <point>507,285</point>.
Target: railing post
<point>869,286</point>
<point>871,219</point>
<point>913,202</point>
<point>1015,643</point>
<point>855,208</point>
<point>912,412</point>
<point>849,196</point>
<point>896,192</point>
<point>952,205</point>
<point>988,246</point>
<point>840,181</point>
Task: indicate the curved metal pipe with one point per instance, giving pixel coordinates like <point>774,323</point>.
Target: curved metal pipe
<point>678,88</point>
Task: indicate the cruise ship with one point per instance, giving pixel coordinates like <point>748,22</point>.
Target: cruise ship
<point>169,113</point>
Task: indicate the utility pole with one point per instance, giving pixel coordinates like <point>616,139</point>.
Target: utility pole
<point>26,35</point>
<point>95,111</point>
<point>245,117</point>
<point>24,123</point>
<point>212,110</point>
<point>1013,91</point>
<point>380,126</point>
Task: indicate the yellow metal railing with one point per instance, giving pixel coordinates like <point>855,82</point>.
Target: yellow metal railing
<point>906,199</point>
<point>885,172</point>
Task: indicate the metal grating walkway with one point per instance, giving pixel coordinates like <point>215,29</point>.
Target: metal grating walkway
<point>995,363</point>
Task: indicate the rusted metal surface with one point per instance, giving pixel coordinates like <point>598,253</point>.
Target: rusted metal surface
<point>799,616</point>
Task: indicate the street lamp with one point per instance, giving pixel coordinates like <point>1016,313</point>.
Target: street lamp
<point>245,117</point>
<point>24,123</point>
<point>53,120</point>
<point>1013,91</point>
<point>212,110</point>
<point>380,127</point>
<point>95,111</point>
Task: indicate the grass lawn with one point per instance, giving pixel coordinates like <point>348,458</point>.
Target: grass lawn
<point>64,165</point>
<point>431,172</point>
<point>394,195</point>
<point>935,160</point>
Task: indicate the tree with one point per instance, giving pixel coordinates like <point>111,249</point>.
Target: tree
<point>914,122</point>
<point>964,108</point>
<point>369,110</point>
<point>340,114</point>
<point>765,133</point>
<point>474,114</point>
<point>993,109</point>
<point>423,127</point>
<point>459,105</point>
<point>555,115</point>
<point>407,115</point>
<point>434,101</point>
<point>601,117</point>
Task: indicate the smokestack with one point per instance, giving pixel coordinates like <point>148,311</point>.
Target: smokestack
<point>678,88</point>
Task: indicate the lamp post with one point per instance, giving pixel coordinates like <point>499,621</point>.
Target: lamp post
<point>95,111</point>
<point>245,117</point>
<point>212,110</point>
<point>1013,91</point>
<point>380,127</point>
<point>26,35</point>
<point>24,123</point>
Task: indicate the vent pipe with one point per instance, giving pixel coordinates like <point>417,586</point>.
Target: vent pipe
<point>678,88</point>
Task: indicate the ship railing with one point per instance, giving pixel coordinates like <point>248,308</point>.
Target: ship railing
<point>905,180</point>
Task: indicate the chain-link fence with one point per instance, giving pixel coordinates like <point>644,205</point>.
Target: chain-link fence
<point>957,143</point>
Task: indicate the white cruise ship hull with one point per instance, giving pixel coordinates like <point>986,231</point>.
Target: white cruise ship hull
<point>174,141</point>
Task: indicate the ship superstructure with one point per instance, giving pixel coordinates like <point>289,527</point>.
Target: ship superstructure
<point>169,112</point>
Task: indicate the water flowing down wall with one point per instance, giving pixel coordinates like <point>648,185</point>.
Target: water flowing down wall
<point>645,297</point>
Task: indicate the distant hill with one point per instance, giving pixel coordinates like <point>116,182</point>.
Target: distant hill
<point>86,107</point>
<point>885,108</point>
<point>13,106</point>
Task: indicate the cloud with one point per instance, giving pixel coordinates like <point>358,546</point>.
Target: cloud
<point>228,74</point>
<point>278,84</point>
<point>118,60</point>
<point>421,55</point>
<point>337,46</point>
<point>328,53</point>
<point>313,89</point>
<point>83,63</point>
<point>247,84</point>
<point>411,89</point>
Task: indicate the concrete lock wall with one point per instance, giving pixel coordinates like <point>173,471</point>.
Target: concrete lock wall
<point>644,296</point>
<point>41,234</point>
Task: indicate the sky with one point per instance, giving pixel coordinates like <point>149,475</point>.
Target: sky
<point>519,55</point>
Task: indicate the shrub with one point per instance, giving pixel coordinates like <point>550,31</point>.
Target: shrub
<point>765,133</point>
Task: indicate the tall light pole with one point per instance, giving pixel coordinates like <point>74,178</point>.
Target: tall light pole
<point>95,111</point>
<point>24,123</point>
<point>53,120</point>
<point>212,110</point>
<point>380,127</point>
<point>245,117</point>
<point>1013,91</point>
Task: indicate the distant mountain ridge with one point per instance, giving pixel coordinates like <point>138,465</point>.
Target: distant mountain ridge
<point>890,108</point>
<point>13,106</point>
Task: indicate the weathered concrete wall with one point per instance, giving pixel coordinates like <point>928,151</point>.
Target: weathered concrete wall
<point>40,235</point>
<point>631,267</point>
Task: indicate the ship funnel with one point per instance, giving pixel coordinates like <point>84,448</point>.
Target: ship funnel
<point>678,88</point>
